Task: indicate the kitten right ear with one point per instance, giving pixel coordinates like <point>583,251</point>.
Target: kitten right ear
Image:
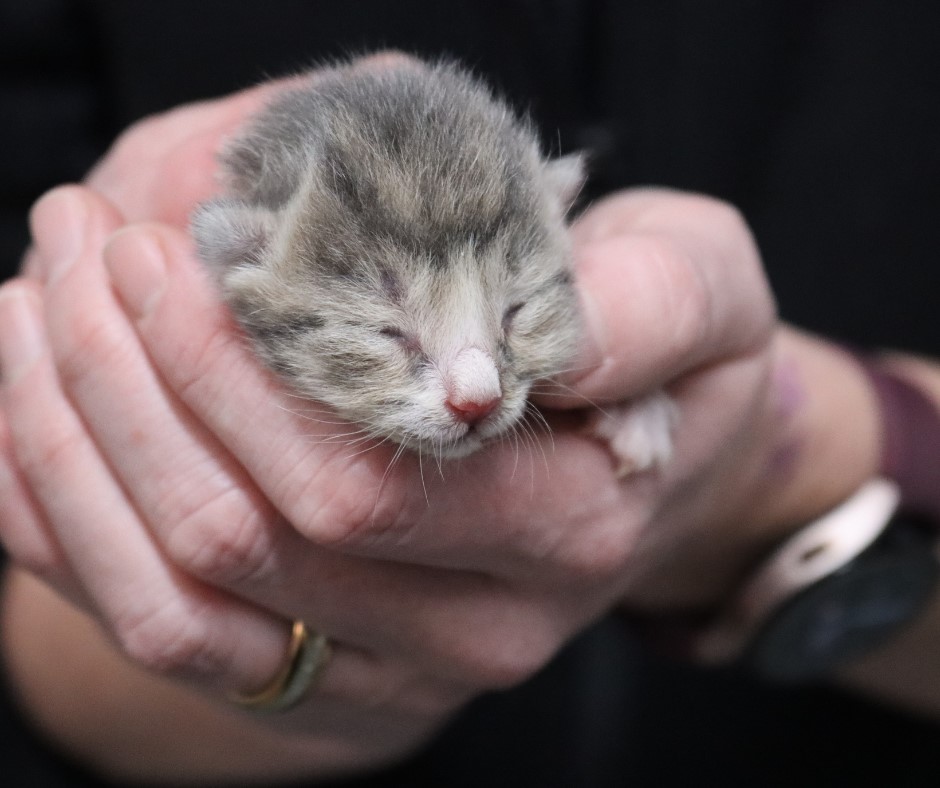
<point>566,177</point>
<point>230,233</point>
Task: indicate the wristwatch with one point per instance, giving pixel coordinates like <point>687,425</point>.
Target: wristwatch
<point>835,590</point>
<point>845,583</point>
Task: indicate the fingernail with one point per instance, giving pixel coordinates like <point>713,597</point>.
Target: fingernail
<point>137,267</point>
<point>58,222</point>
<point>20,337</point>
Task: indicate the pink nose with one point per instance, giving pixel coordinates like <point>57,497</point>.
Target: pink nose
<point>471,411</point>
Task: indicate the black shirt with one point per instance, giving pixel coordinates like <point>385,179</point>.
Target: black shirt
<point>820,120</point>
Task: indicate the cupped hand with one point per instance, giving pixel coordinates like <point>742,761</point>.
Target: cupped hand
<point>162,479</point>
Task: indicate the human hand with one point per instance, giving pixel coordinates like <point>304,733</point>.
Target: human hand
<point>229,513</point>
<point>193,519</point>
<point>776,426</point>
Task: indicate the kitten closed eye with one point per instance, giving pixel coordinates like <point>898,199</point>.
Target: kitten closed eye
<point>509,315</point>
<point>407,341</point>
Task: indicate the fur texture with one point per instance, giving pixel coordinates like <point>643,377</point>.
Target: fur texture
<point>394,243</point>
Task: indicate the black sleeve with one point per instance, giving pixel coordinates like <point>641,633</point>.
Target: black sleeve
<point>818,119</point>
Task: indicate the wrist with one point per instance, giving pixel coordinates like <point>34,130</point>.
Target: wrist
<point>813,410</point>
<point>826,437</point>
<point>850,580</point>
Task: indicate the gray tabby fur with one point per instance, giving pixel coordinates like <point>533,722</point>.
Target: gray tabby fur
<point>376,222</point>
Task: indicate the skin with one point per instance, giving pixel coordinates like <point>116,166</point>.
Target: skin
<point>184,521</point>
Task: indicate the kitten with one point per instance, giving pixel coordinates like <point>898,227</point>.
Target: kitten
<point>395,245</point>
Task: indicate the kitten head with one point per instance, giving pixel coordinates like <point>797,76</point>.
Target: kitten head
<point>418,278</point>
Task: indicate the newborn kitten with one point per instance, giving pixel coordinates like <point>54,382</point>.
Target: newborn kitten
<point>395,245</point>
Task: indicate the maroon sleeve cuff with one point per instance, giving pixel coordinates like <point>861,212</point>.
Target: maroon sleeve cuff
<point>910,453</point>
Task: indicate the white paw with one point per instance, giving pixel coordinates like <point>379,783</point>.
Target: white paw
<point>639,433</point>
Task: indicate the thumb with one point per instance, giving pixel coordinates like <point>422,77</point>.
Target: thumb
<point>668,282</point>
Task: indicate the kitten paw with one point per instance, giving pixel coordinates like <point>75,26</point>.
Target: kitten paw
<point>639,433</point>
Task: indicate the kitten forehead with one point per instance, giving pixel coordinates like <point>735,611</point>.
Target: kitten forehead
<point>439,165</point>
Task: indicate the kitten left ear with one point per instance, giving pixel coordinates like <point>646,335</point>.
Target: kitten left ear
<point>565,177</point>
<point>230,233</point>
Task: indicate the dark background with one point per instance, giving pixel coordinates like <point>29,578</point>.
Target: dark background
<point>819,120</point>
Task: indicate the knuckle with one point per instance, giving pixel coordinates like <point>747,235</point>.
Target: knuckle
<point>51,447</point>
<point>682,293</point>
<point>595,556</point>
<point>35,555</point>
<point>392,690</point>
<point>502,655</point>
<point>168,641</point>
<point>504,664</point>
<point>389,686</point>
<point>738,261</point>
<point>414,697</point>
<point>417,700</point>
<point>135,143</point>
<point>690,307</point>
<point>713,214</point>
<point>224,539</point>
<point>352,512</point>
<point>730,221</point>
<point>203,366</point>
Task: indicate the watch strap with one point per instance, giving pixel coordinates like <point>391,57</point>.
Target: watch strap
<point>814,552</point>
<point>910,452</point>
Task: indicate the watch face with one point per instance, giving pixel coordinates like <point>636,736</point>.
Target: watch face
<point>848,613</point>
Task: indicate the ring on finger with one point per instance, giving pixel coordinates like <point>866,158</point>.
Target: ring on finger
<point>307,656</point>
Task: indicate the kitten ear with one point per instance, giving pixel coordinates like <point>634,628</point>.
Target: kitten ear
<point>230,233</point>
<point>565,177</point>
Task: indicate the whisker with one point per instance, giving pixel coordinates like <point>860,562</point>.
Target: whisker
<point>331,422</point>
<point>339,435</point>
<point>305,414</point>
<point>569,370</point>
<point>372,447</point>
<point>296,395</point>
<point>348,442</point>
<point>528,442</point>
<point>514,434</point>
<point>337,440</point>
<point>388,469</point>
<point>438,455</point>
<point>540,420</point>
<point>571,392</point>
<point>536,443</point>
<point>427,500</point>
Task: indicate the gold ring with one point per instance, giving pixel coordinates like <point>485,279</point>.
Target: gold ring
<point>307,656</point>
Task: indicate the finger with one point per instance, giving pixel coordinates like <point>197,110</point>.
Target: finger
<point>163,166</point>
<point>23,532</point>
<point>669,282</point>
<point>161,618</point>
<point>180,479</point>
<point>200,353</point>
<point>362,504</point>
<point>58,222</point>
<point>28,268</point>
<point>204,512</point>
<point>460,628</point>
<point>460,625</point>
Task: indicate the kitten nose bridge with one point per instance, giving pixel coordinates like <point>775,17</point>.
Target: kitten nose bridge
<point>473,388</point>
